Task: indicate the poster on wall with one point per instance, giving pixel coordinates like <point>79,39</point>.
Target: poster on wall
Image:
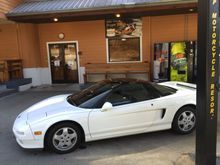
<point>124,28</point>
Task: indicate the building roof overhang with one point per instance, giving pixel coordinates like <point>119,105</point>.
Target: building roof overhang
<point>38,11</point>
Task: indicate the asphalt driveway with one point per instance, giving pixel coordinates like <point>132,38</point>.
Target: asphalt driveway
<point>160,148</point>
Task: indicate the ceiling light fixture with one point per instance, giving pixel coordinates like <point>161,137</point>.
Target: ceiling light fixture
<point>55,19</point>
<point>191,10</point>
<point>118,15</point>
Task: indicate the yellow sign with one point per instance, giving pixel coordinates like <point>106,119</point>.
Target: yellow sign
<point>213,75</point>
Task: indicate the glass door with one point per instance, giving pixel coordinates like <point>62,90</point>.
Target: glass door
<point>191,57</point>
<point>161,62</point>
<point>63,61</point>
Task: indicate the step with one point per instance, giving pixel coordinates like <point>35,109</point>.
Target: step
<point>24,87</point>
<point>2,87</point>
<point>15,84</point>
<point>7,92</point>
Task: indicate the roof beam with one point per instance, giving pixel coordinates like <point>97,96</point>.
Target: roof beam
<point>107,13</point>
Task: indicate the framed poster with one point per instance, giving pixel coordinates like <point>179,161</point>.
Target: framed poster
<point>123,28</point>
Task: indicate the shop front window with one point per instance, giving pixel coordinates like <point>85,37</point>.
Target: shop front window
<point>124,50</point>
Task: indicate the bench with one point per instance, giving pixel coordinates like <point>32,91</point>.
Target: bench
<point>3,74</point>
<point>115,68</point>
<point>14,68</point>
<point>10,69</point>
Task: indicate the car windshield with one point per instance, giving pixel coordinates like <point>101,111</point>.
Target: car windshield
<point>91,92</point>
<point>92,95</point>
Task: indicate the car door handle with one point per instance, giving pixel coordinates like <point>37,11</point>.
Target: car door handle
<point>152,104</point>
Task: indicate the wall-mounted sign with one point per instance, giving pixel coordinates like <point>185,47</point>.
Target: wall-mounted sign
<point>125,28</point>
<point>56,62</point>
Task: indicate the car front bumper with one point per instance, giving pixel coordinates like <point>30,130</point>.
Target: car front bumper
<point>23,133</point>
<point>29,143</point>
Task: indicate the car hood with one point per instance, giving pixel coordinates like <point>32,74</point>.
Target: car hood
<point>52,106</point>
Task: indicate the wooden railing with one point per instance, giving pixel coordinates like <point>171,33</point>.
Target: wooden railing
<point>116,68</point>
<point>10,70</point>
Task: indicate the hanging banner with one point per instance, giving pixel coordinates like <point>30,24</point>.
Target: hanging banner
<point>124,28</point>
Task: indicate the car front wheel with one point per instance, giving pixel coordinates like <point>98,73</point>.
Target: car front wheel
<point>185,120</point>
<point>64,138</point>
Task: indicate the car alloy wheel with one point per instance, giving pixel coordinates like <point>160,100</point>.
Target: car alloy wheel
<point>184,121</point>
<point>64,138</point>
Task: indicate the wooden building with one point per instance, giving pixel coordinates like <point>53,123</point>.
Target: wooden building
<point>62,41</point>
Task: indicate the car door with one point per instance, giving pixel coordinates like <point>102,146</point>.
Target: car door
<point>132,112</point>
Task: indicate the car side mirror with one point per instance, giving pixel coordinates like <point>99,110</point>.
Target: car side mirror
<point>107,106</point>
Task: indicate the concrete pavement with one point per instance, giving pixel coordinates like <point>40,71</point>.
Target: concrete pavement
<point>159,148</point>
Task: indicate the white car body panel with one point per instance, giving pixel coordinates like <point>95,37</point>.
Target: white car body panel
<point>140,117</point>
<point>121,120</point>
<point>42,115</point>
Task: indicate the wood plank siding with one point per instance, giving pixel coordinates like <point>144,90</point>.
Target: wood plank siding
<point>89,34</point>
<point>29,45</point>
<point>7,5</point>
<point>28,41</point>
<point>8,41</point>
<point>20,41</point>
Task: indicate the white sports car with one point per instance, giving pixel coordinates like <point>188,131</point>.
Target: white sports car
<point>110,108</point>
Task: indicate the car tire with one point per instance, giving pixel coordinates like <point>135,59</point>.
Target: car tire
<point>64,138</point>
<point>184,121</point>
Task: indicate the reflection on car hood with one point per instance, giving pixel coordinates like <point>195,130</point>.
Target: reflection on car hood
<point>51,106</point>
<point>179,85</point>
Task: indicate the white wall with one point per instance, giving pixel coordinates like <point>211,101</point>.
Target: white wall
<point>39,75</point>
<point>42,76</point>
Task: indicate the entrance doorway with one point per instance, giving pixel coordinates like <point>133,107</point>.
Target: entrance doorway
<point>63,62</point>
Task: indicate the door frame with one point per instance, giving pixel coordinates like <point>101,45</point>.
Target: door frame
<point>77,56</point>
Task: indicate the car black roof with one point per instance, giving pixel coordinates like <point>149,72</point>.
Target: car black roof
<point>124,80</point>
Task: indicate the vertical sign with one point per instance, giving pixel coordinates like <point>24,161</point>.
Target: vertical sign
<point>207,84</point>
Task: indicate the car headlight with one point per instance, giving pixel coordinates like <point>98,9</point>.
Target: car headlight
<point>19,132</point>
<point>20,126</point>
<point>22,129</point>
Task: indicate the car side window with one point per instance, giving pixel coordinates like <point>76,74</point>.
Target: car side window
<point>95,101</point>
<point>163,90</point>
<point>129,93</point>
<point>118,98</point>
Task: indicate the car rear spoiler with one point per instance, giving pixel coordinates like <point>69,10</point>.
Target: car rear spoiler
<point>186,85</point>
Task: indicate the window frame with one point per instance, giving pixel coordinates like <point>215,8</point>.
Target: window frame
<point>108,51</point>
